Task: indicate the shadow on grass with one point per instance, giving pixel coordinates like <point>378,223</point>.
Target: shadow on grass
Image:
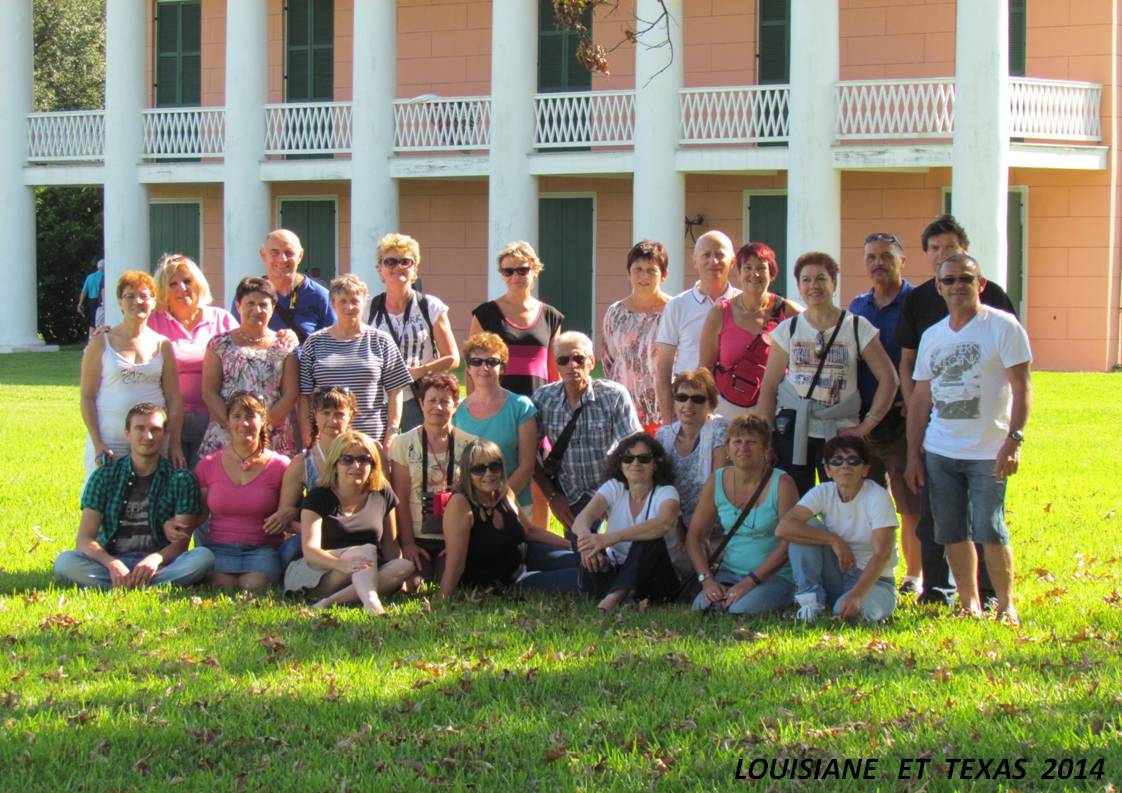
<point>42,368</point>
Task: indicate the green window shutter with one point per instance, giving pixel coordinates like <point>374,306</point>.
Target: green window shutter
<point>313,221</point>
<point>173,228</point>
<point>774,42</point>
<point>558,67</point>
<point>310,51</point>
<point>178,67</point>
<point>1018,37</point>
<point>767,223</point>
<point>565,234</point>
<point>1015,253</point>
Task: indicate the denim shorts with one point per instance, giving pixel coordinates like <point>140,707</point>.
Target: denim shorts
<point>238,559</point>
<point>967,500</point>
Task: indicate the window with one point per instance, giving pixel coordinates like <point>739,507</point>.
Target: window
<point>765,220</point>
<point>175,227</point>
<point>558,67</point>
<point>313,221</point>
<point>178,67</point>
<point>1018,37</point>
<point>566,232</point>
<point>773,47</point>
<point>309,50</point>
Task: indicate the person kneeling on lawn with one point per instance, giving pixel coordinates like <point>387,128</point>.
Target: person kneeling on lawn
<point>848,557</point>
<point>137,516</point>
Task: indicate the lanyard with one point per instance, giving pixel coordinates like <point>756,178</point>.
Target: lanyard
<point>449,471</point>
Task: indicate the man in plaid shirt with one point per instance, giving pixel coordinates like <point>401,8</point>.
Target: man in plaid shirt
<point>137,517</point>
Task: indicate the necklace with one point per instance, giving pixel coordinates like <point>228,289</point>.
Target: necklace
<point>488,512</point>
<point>754,310</point>
<point>245,463</point>
<point>247,339</point>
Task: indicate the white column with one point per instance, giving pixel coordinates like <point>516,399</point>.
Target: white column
<point>18,320</point>
<point>373,191</point>
<point>980,151</point>
<point>813,185</point>
<point>658,200</point>
<point>126,199</point>
<point>512,194</point>
<point>245,198</point>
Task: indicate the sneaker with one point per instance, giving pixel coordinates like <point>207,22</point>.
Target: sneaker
<point>809,607</point>
<point>909,585</point>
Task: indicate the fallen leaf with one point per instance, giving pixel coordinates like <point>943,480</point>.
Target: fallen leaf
<point>556,753</point>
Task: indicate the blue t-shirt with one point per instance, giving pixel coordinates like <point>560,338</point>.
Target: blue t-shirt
<point>885,319</point>
<point>92,285</point>
<point>313,308</point>
<point>502,430</point>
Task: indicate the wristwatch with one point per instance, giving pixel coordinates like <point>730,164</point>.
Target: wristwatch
<point>1017,436</point>
<point>702,576</point>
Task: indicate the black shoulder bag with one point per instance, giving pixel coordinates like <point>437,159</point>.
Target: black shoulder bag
<point>288,315</point>
<point>547,471</point>
<point>433,504</point>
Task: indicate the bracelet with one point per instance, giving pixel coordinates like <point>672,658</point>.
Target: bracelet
<point>755,578</point>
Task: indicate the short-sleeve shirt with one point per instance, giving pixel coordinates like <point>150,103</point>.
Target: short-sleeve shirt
<point>502,430</point>
<point>174,491</point>
<point>682,321</point>
<point>526,371</point>
<point>924,307</point>
<point>312,308</point>
<point>408,449</point>
<point>855,520</point>
<point>189,347</point>
<point>410,330</point>
<point>885,319</point>
<point>92,285</point>
<point>619,512</point>
<point>370,366</point>
<point>970,393</point>
<point>238,512</point>
<point>360,528</point>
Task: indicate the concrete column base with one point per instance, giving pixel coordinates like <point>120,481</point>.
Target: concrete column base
<point>31,346</point>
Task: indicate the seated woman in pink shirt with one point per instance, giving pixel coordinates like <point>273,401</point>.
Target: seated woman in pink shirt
<point>240,486</point>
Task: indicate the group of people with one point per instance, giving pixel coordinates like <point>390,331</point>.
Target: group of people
<point>736,454</point>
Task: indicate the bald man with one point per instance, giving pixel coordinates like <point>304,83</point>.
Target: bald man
<point>679,331</point>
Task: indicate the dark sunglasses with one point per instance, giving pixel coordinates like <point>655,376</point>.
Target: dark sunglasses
<point>697,399</point>
<point>963,278</point>
<point>883,236</point>
<point>852,460</point>
<point>642,459</point>
<point>259,397</point>
<point>390,261</point>
<point>563,360</point>
<point>495,467</point>
<point>492,363</point>
<point>820,344</point>
<point>350,459</point>
<point>509,272</point>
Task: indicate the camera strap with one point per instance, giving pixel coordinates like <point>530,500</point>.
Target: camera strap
<point>450,467</point>
<point>825,352</point>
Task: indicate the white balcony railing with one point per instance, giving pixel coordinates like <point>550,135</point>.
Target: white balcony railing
<point>171,132</point>
<point>70,136</point>
<point>886,109</point>
<point>1055,109</point>
<point>584,118</point>
<point>433,123</point>
<point>739,114</point>
<point>308,128</point>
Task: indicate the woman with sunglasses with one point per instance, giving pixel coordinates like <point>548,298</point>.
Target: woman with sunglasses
<point>484,531</point>
<point>846,558</point>
<point>754,576</point>
<point>525,324</point>
<point>695,445</point>
<point>811,374</point>
<point>736,337</point>
<point>240,487</point>
<point>418,323</point>
<point>347,526</point>
<point>640,505</point>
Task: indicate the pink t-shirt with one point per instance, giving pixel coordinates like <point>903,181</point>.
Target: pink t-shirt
<point>189,347</point>
<point>238,512</point>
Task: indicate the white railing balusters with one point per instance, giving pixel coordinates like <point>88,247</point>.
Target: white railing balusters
<point>69,136</point>
<point>584,118</point>
<point>737,114</point>
<point>434,123</point>
<point>886,109</point>
<point>171,132</point>
<point>1055,109</point>
<point>308,128</point>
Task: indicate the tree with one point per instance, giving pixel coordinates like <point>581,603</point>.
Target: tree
<point>570,15</point>
<point>69,54</point>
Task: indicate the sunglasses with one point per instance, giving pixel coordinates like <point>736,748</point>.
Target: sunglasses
<point>642,459</point>
<point>883,236</point>
<point>820,344</point>
<point>490,363</point>
<point>852,460</point>
<point>350,459</point>
<point>563,360</point>
<point>964,278</point>
<point>509,272</point>
<point>495,467</point>
<point>390,261</point>
<point>238,394</point>
<point>697,399</point>
<point>335,389</point>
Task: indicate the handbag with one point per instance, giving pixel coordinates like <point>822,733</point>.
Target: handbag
<point>547,471</point>
<point>740,383</point>
<point>433,504</point>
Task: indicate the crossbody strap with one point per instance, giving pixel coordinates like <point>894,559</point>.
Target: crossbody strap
<point>715,557</point>
<point>450,467</point>
<point>825,352</point>
<point>553,459</point>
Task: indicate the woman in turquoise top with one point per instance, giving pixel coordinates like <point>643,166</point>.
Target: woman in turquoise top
<point>493,413</point>
<point>754,576</point>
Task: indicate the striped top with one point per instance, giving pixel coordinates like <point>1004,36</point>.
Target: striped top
<point>369,365</point>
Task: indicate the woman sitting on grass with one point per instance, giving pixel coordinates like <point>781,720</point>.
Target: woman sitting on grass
<point>849,561</point>
<point>641,506</point>
<point>484,531</point>
<point>343,521</point>
<point>240,486</point>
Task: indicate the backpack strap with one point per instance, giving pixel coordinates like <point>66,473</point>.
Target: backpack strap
<point>423,304</point>
<point>377,306</point>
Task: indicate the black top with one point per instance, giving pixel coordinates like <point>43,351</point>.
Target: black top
<point>493,554</point>
<point>525,372</point>
<point>925,306</point>
<point>343,531</point>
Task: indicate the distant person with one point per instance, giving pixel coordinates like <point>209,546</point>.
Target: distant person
<point>316,275</point>
<point>90,297</point>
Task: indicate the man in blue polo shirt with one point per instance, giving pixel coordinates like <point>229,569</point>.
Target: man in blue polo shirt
<point>882,305</point>
<point>303,305</point>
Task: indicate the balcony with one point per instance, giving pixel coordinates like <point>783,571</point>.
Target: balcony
<point>438,124</point>
<point>584,119</point>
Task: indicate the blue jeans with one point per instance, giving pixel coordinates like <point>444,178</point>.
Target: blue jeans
<point>239,559</point>
<point>773,594</point>
<point>188,568</point>
<point>549,569</point>
<point>816,570</point>
<point>290,551</point>
<point>967,500</point>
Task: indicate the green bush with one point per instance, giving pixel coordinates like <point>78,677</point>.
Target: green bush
<point>68,223</point>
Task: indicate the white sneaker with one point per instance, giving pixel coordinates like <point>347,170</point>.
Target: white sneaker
<point>809,607</point>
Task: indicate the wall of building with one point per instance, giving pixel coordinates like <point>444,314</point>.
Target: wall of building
<point>444,48</point>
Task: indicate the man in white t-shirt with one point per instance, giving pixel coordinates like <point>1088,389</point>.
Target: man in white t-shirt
<point>966,420</point>
<point>679,331</point>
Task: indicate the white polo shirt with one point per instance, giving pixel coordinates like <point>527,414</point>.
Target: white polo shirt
<point>682,321</point>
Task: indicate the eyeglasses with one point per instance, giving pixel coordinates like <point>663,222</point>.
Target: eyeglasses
<point>642,459</point>
<point>405,263</point>
<point>883,236</point>
<point>490,363</point>
<point>509,272</point>
<point>697,399</point>
<point>962,278</point>
<point>578,359</point>
<point>495,467</point>
<point>852,461</point>
<point>350,459</point>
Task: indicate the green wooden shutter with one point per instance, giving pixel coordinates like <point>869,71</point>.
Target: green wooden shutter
<point>178,67</point>
<point>565,232</point>
<point>558,67</point>
<point>313,221</point>
<point>767,223</point>
<point>173,228</point>
<point>1018,37</point>
<point>310,51</point>
<point>774,42</point>
<point>1015,274</point>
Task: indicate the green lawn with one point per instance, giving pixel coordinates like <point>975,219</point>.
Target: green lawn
<point>197,691</point>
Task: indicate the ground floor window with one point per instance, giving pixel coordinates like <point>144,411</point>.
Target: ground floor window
<point>566,237</point>
<point>175,227</point>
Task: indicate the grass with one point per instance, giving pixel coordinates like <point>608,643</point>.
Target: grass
<point>199,691</point>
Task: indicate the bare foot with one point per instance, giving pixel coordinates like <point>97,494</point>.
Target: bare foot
<point>376,609</point>
<point>321,604</point>
<point>611,600</point>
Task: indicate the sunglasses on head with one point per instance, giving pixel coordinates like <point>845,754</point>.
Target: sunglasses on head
<point>852,460</point>
<point>578,359</point>
<point>337,389</point>
<point>495,467</point>
<point>962,278</point>
<point>509,272</point>
<point>491,363</point>
<point>883,236</point>
<point>642,459</point>
<point>259,397</point>
<point>405,262</point>
<point>350,459</point>
<point>697,399</point>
